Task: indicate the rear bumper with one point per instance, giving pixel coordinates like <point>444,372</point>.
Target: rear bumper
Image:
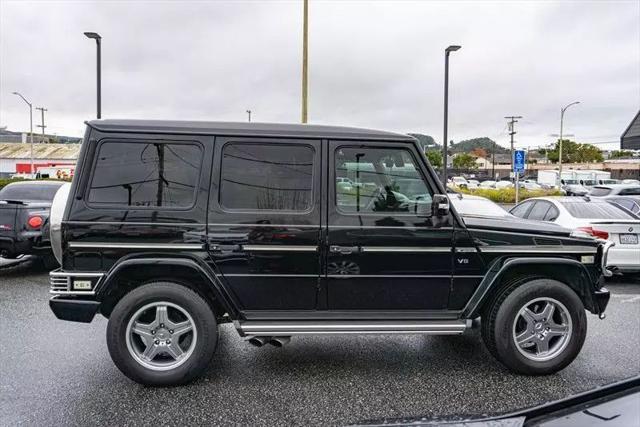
<point>74,310</point>
<point>624,259</point>
<point>11,247</point>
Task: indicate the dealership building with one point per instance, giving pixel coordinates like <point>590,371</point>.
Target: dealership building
<point>15,158</point>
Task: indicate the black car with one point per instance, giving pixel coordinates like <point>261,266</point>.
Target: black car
<point>171,228</point>
<point>24,220</point>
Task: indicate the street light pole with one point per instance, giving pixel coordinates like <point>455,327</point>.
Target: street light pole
<point>562,110</point>
<point>30,128</point>
<point>98,40</point>
<point>249,113</point>
<point>447,51</point>
<point>305,54</point>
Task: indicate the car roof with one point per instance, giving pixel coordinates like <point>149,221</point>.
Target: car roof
<point>244,129</point>
<point>37,182</point>
<point>569,199</point>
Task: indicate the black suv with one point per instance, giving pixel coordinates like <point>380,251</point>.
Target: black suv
<point>172,228</point>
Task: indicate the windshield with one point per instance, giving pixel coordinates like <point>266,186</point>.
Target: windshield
<point>570,181</point>
<point>30,191</point>
<point>593,210</point>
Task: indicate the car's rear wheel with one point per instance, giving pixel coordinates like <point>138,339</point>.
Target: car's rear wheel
<point>162,334</point>
<point>535,327</point>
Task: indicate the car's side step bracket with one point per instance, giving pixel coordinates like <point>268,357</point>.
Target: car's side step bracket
<point>286,328</point>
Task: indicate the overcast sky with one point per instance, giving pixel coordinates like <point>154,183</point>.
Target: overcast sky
<point>375,64</point>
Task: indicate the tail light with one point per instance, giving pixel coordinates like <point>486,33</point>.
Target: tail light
<point>593,232</point>
<point>35,221</point>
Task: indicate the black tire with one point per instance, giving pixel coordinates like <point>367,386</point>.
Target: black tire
<point>501,313</point>
<point>188,300</point>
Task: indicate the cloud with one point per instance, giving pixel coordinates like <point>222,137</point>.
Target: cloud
<point>374,64</point>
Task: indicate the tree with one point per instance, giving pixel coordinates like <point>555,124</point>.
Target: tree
<point>479,152</point>
<point>464,161</point>
<point>573,152</point>
<point>485,143</point>
<point>435,158</point>
<point>617,154</point>
<point>426,141</point>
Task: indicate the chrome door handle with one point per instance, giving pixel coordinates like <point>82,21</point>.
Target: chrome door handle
<point>344,250</point>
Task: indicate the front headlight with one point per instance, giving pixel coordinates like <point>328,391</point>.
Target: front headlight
<point>55,219</point>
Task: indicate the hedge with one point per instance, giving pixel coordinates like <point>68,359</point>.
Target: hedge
<point>508,195</point>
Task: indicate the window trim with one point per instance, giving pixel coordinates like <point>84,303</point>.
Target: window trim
<point>279,142</point>
<point>535,204</point>
<point>113,206</point>
<point>367,146</point>
<point>526,212</point>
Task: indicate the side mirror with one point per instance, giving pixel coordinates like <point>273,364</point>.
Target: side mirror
<point>440,205</point>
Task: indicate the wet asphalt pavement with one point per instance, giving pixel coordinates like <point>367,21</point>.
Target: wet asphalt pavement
<point>59,373</point>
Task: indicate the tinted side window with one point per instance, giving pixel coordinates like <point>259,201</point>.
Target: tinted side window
<point>552,214</point>
<point>539,211</point>
<point>521,210</point>
<point>370,180</point>
<point>146,174</point>
<point>266,177</point>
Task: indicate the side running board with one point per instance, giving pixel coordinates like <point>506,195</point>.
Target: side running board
<point>286,328</point>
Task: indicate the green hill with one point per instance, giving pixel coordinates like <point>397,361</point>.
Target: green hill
<point>484,142</point>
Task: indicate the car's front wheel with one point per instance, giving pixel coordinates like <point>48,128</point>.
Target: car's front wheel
<point>535,327</point>
<point>162,334</point>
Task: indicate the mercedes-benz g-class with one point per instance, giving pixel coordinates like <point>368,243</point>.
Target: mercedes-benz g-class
<point>172,228</point>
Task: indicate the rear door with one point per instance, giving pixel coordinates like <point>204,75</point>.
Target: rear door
<point>384,250</point>
<point>264,222</point>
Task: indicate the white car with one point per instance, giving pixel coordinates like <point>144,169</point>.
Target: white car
<point>530,185</point>
<point>488,184</point>
<point>504,184</point>
<point>473,183</point>
<point>615,189</point>
<point>630,181</point>
<point>459,181</point>
<point>466,204</point>
<point>594,217</point>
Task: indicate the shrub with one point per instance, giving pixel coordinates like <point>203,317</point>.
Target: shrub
<point>508,195</point>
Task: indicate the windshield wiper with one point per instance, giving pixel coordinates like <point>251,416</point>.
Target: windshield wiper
<point>13,202</point>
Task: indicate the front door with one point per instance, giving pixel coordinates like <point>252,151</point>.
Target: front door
<point>385,251</point>
<point>264,222</point>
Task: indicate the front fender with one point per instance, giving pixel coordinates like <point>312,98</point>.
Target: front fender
<point>569,271</point>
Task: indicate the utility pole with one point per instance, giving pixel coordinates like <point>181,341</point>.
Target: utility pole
<point>447,51</point>
<point>42,110</point>
<point>493,162</point>
<point>512,131</point>
<point>305,53</point>
<point>98,40</point>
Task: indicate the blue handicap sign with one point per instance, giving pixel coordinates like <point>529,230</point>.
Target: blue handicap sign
<point>519,157</point>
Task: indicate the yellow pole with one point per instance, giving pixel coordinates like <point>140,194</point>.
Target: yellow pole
<point>305,33</point>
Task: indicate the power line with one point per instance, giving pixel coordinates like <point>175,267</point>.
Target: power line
<point>42,110</point>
